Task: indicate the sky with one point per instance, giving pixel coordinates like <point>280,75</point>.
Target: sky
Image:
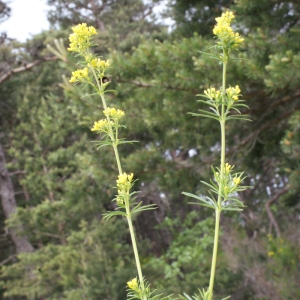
<point>27,17</point>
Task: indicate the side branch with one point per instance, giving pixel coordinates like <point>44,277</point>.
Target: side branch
<point>268,208</point>
<point>9,206</point>
<point>26,67</point>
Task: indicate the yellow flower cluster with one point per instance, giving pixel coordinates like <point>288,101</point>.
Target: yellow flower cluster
<point>133,284</point>
<point>124,179</point>
<point>100,125</point>
<point>79,75</point>
<point>225,33</point>
<point>124,184</point>
<point>228,168</point>
<point>98,63</point>
<point>233,92</point>
<point>236,180</point>
<point>80,39</point>
<point>213,94</point>
<point>114,113</point>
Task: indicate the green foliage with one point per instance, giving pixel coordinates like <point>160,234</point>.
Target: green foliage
<point>46,126</point>
<point>186,263</point>
<point>290,146</point>
<point>72,270</point>
<point>195,16</point>
<point>179,268</point>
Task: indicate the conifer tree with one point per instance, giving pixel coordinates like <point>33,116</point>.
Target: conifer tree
<point>65,187</point>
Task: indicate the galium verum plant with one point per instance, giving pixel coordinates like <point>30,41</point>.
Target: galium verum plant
<point>224,105</point>
<point>225,184</point>
<point>93,73</point>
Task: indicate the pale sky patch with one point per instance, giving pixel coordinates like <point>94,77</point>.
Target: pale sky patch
<point>28,17</point>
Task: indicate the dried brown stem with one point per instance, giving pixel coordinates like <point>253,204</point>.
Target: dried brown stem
<point>268,208</point>
<point>26,67</point>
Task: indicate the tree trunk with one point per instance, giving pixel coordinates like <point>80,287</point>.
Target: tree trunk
<point>9,205</point>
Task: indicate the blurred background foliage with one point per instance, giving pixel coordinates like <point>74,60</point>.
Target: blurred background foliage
<point>62,185</point>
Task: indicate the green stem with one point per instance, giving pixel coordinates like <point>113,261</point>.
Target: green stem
<point>218,211</point>
<point>131,230</point>
<point>109,124</point>
<point>135,250</point>
<point>214,258</point>
<point>99,85</point>
<point>118,159</point>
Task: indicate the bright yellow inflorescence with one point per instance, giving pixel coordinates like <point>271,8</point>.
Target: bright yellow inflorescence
<point>124,184</point>
<point>213,94</point>
<point>98,63</point>
<point>114,113</point>
<point>80,40</point>
<point>228,168</point>
<point>80,75</point>
<point>100,125</point>
<point>225,33</point>
<point>236,180</point>
<point>124,179</point>
<point>133,284</point>
<point>233,92</point>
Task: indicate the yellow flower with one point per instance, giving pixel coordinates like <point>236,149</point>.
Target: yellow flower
<point>225,33</point>
<point>114,113</point>
<point>80,39</point>
<point>233,92</point>
<point>100,125</point>
<point>79,75</point>
<point>97,63</point>
<point>236,180</point>
<point>124,184</point>
<point>124,178</point>
<point>213,94</point>
<point>133,284</point>
<point>228,168</point>
<point>271,253</point>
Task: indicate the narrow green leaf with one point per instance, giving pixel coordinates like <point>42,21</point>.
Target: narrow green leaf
<point>111,214</point>
<point>202,204</point>
<point>210,55</point>
<point>140,208</point>
<point>204,115</point>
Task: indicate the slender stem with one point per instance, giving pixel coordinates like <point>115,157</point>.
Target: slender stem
<point>214,258</point>
<point>109,124</point>
<point>115,147</point>
<point>135,250</point>
<point>99,85</point>
<point>118,159</point>
<point>218,210</point>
